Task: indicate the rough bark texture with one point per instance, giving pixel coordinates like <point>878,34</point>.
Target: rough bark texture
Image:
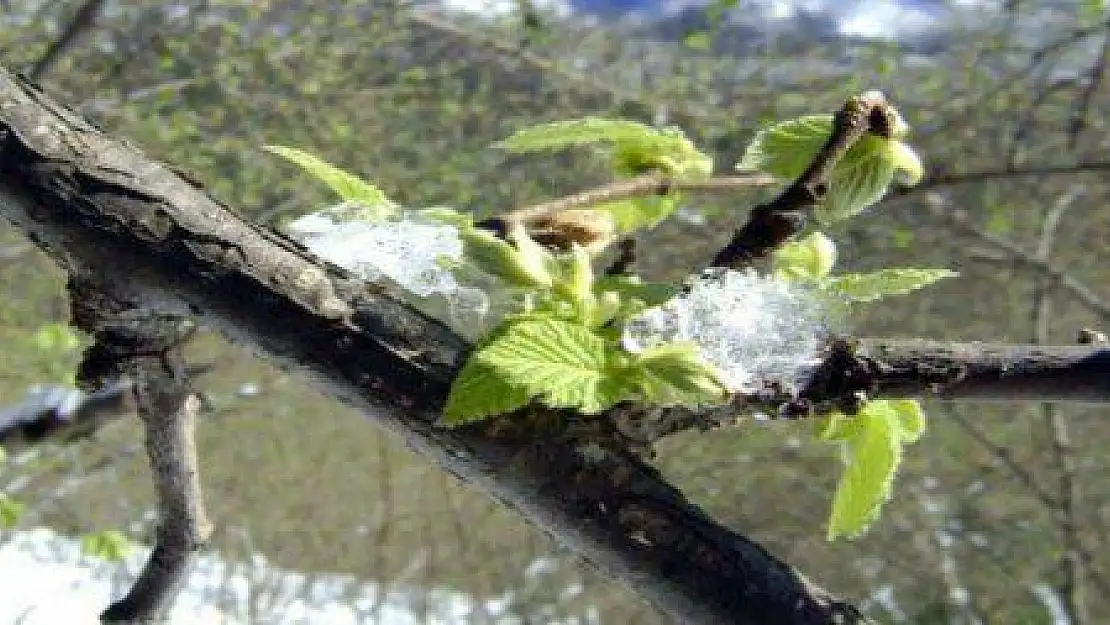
<point>149,238</point>
<point>152,240</point>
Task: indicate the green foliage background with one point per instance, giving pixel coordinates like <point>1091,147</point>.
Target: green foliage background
<point>413,101</point>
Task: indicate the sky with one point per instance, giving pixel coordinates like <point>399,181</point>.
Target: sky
<point>873,19</point>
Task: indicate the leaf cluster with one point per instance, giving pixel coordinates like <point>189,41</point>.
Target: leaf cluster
<point>560,344</point>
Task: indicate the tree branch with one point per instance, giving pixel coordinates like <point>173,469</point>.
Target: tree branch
<point>157,243</point>
<point>772,224</point>
<point>957,219</point>
<point>148,349</point>
<point>83,19</point>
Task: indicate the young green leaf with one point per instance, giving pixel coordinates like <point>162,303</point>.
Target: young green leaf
<point>907,163</point>
<point>10,511</point>
<point>348,186</point>
<point>860,177</point>
<point>867,287</point>
<point>480,391</point>
<point>108,545</point>
<point>676,375</point>
<point>636,213</point>
<point>56,337</point>
<point>587,131</point>
<point>872,451</point>
<point>911,418</point>
<point>524,265</point>
<point>785,149</point>
<point>636,148</point>
<point>576,283</point>
<point>561,363</point>
<point>810,258</point>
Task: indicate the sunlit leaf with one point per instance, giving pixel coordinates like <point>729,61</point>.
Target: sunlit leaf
<point>480,391</point>
<point>108,545</point>
<point>676,375</point>
<point>635,148</point>
<point>10,511</point>
<point>809,258</point>
<point>871,450</point>
<point>559,363</point>
<point>524,264</point>
<point>860,177</point>
<point>867,287</point>
<point>56,337</point>
<point>636,213</point>
<point>348,186</point>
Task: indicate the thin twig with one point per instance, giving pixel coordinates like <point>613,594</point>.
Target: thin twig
<point>641,186</point>
<point>950,179</point>
<point>1072,584</point>
<point>772,224</point>
<point>941,208</point>
<point>1078,121</point>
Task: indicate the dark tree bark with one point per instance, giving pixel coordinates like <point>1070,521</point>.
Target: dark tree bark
<point>149,239</point>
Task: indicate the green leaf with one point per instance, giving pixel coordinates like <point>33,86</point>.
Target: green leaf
<point>907,162</point>
<point>108,545</point>
<point>1091,10</point>
<point>524,265</point>
<point>560,363</point>
<point>348,186</point>
<point>785,149</point>
<point>588,131</point>
<point>860,177</point>
<point>56,337</point>
<point>866,287</point>
<point>872,451</point>
<point>676,375</point>
<point>810,258</point>
<point>636,148</point>
<point>578,283</point>
<point>911,418</point>
<point>445,215</point>
<point>480,391</point>
<point>565,364</point>
<point>633,214</point>
<point>697,40</point>
<point>10,511</point>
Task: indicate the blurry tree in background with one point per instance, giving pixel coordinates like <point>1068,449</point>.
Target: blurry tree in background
<point>998,509</point>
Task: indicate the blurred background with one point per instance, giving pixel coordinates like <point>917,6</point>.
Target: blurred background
<point>1001,513</point>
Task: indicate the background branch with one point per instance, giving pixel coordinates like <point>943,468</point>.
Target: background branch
<point>148,350</point>
<point>83,19</point>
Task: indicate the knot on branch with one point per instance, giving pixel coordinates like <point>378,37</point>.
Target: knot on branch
<point>843,381</point>
<point>127,339</point>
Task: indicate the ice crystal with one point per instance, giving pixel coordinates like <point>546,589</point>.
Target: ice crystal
<point>754,329</point>
<point>407,251</point>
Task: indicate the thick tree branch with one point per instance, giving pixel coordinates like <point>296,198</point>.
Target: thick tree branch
<point>157,243</point>
<point>148,350</point>
<point>855,369</point>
